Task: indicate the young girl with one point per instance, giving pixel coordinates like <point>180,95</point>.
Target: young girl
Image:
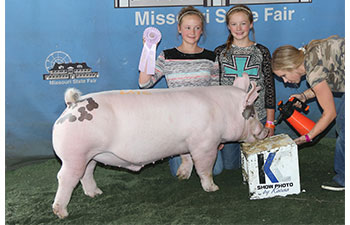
<point>242,55</point>
<point>322,61</point>
<point>187,65</point>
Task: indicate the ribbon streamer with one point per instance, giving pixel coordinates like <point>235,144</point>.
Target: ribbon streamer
<point>151,37</point>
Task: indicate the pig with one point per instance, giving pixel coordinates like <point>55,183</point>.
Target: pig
<point>132,128</point>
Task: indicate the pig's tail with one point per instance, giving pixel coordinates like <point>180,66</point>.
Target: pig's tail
<point>71,96</point>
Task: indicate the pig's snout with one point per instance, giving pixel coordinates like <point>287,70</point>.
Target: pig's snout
<point>263,134</point>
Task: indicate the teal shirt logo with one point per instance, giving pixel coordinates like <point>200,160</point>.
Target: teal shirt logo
<point>240,66</point>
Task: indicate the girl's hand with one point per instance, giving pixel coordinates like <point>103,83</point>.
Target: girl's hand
<point>270,125</point>
<point>271,132</point>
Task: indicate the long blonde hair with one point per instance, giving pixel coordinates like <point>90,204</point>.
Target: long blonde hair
<point>235,9</point>
<point>288,57</point>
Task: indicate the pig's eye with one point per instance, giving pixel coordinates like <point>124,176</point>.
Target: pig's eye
<point>248,112</point>
<point>252,113</point>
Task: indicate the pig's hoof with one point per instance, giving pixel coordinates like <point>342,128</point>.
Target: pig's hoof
<point>94,193</point>
<point>213,188</point>
<point>60,212</point>
<point>184,173</point>
<point>183,176</point>
<point>210,188</point>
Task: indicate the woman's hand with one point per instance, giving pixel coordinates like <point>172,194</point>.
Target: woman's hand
<point>304,96</point>
<point>300,140</point>
<point>301,97</point>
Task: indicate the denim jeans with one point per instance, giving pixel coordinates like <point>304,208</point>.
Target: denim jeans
<point>339,155</point>
<point>231,156</point>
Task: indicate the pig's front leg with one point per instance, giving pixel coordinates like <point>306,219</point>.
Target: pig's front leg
<point>204,159</point>
<point>185,169</point>
<point>88,182</point>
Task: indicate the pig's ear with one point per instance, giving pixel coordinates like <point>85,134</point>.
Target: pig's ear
<point>242,82</point>
<point>252,94</point>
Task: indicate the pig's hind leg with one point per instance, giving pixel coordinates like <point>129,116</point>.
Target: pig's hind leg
<point>185,169</point>
<point>204,160</point>
<point>88,182</point>
<point>68,177</point>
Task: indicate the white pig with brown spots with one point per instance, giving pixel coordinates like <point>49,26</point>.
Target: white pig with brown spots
<point>136,127</point>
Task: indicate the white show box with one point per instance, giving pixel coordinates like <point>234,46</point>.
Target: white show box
<point>271,167</point>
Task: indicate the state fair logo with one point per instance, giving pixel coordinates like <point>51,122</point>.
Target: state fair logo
<point>61,70</point>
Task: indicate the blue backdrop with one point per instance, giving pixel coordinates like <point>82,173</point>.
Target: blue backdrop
<point>109,40</point>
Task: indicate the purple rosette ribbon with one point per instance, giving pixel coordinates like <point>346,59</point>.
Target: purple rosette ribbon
<point>151,37</point>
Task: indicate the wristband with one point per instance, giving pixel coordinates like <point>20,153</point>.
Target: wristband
<point>307,138</point>
<point>270,125</point>
<point>270,122</point>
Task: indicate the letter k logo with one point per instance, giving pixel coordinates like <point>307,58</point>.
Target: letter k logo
<point>273,173</point>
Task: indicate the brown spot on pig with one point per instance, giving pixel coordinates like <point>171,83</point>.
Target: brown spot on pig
<point>70,117</point>
<point>91,104</point>
<point>84,114</point>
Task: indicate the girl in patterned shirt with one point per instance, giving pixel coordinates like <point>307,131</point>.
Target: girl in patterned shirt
<point>187,65</point>
<point>241,55</point>
<point>322,61</point>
